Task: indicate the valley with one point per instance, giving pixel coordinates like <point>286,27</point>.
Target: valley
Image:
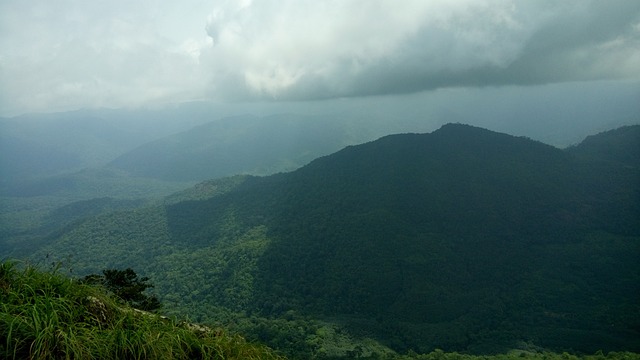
<point>462,239</point>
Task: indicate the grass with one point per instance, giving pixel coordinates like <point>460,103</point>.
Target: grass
<point>45,315</point>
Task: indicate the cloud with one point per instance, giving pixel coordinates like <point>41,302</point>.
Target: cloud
<point>72,53</point>
<point>304,50</point>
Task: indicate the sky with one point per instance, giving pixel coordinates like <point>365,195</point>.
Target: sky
<point>82,54</point>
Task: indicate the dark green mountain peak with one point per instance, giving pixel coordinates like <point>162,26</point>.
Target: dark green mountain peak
<point>460,129</point>
<point>454,154</point>
<point>617,145</point>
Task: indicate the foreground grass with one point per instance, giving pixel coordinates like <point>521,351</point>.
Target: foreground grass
<point>45,315</point>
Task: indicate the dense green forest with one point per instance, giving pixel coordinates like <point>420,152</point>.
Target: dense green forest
<point>49,315</point>
<point>464,240</point>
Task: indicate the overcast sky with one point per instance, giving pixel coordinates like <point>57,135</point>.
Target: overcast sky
<point>69,54</point>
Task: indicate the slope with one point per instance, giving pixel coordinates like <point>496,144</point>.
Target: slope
<point>46,315</point>
<point>440,237</point>
<point>618,145</point>
<point>243,144</point>
<point>462,239</point>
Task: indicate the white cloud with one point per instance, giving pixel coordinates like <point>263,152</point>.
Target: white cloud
<point>73,53</point>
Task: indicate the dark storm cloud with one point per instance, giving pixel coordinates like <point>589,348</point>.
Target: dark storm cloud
<point>71,53</point>
<point>473,43</point>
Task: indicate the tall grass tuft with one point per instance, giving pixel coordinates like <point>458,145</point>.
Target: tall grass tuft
<point>45,315</point>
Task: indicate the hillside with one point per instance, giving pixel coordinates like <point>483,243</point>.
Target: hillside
<point>46,315</point>
<point>462,239</point>
<point>236,145</point>
<point>617,145</point>
<point>95,137</point>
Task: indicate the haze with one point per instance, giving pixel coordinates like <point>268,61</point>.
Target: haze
<point>507,60</point>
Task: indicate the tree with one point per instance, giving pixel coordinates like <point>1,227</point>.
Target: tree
<point>126,285</point>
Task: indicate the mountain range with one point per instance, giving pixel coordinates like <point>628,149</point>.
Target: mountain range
<point>236,145</point>
<point>462,239</point>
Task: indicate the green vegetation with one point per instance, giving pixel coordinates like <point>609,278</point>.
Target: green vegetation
<point>617,145</point>
<point>46,315</point>
<point>39,209</point>
<point>440,355</point>
<point>463,240</point>
<point>126,285</point>
<point>238,145</point>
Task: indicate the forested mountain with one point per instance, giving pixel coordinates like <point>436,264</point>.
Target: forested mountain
<point>48,154</point>
<point>242,145</point>
<point>620,145</point>
<point>462,239</point>
<point>95,137</point>
<point>52,160</point>
<point>48,144</point>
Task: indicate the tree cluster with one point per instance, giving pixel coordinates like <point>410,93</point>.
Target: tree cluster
<point>127,286</point>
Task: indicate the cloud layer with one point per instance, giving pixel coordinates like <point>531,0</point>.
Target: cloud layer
<point>73,53</point>
<point>296,50</point>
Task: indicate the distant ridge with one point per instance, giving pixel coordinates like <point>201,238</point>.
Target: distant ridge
<point>620,145</point>
<point>236,145</point>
